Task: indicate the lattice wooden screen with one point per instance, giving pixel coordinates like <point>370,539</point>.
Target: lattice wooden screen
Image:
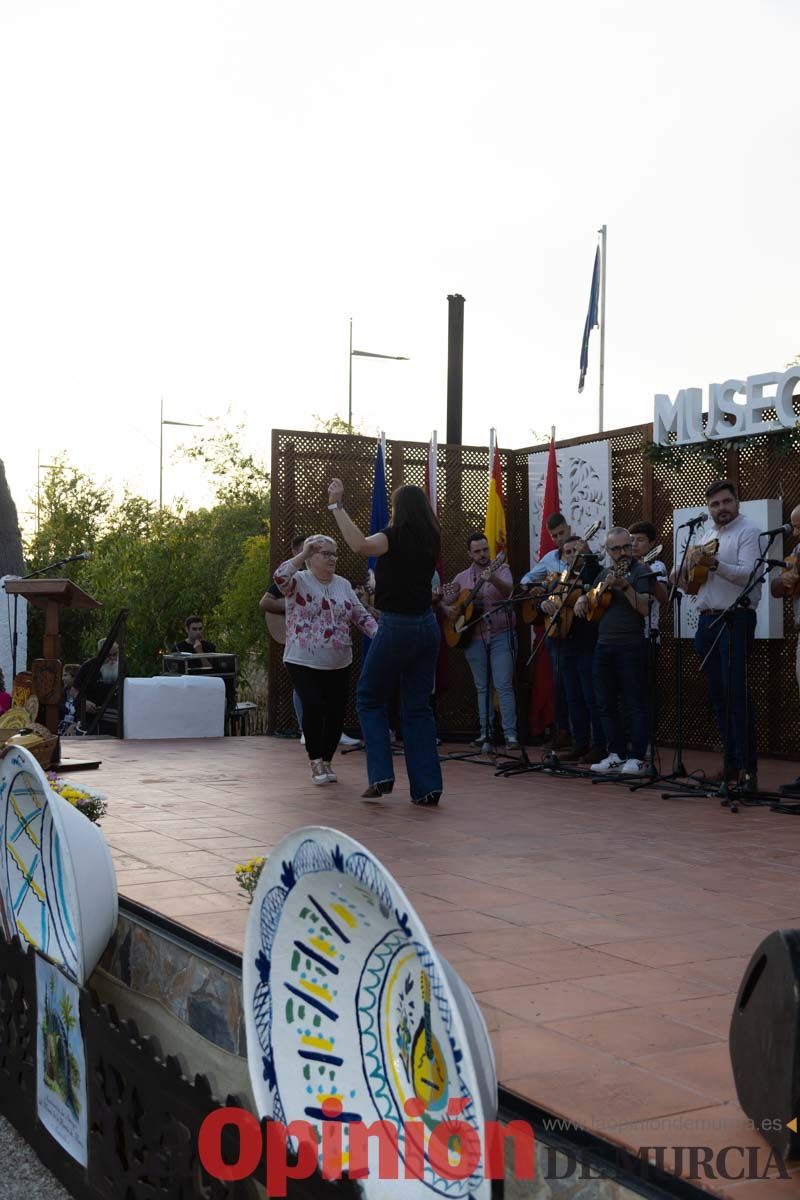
<point>303,463</point>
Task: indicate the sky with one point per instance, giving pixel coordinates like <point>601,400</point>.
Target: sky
<point>196,197</point>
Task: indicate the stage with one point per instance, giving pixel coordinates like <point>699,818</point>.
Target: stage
<point>604,932</point>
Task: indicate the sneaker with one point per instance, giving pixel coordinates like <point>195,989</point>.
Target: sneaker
<point>318,772</point>
<point>302,739</point>
<point>610,763</point>
<point>632,766</point>
<point>512,744</point>
<point>346,740</point>
<point>329,771</point>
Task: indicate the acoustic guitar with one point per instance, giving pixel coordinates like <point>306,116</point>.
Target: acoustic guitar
<point>599,597</point>
<point>697,573</point>
<point>791,574</point>
<point>455,633</point>
<point>276,624</point>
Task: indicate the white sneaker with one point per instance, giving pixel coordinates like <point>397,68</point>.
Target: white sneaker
<point>329,771</point>
<point>302,739</point>
<point>632,766</point>
<point>345,740</point>
<point>318,772</point>
<point>610,763</point>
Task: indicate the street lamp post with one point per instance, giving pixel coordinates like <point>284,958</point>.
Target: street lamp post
<point>362,354</point>
<point>40,466</point>
<point>162,423</point>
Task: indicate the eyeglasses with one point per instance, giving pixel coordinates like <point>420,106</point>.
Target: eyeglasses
<point>618,549</point>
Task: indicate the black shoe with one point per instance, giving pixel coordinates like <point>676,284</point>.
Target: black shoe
<point>429,801</point>
<point>790,789</point>
<point>382,788</point>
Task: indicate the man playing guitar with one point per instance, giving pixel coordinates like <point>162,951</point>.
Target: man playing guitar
<point>729,569</point>
<point>787,584</point>
<point>491,648</point>
<point>553,563</point>
<point>619,669</point>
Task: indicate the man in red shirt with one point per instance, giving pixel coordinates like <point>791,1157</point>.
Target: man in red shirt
<point>491,649</point>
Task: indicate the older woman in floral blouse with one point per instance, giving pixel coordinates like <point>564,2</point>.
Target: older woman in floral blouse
<point>320,608</point>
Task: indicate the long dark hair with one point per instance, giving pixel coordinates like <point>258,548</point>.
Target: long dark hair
<point>411,510</point>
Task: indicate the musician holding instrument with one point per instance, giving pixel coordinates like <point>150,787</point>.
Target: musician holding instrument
<point>787,583</point>
<point>620,599</point>
<point>490,650</point>
<point>725,568</point>
<point>547,569</point>
<point>577,653</point>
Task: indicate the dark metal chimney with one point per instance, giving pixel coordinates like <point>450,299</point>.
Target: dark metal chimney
<point>455,368</point>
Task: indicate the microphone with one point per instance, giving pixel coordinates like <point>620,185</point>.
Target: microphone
<point>693,522</point>
<point>771,533</point>
<point>774,562</point>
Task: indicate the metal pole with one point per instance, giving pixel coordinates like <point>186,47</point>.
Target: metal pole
<point>38,499</point>
<point>350,384</point>
<point>161,456</point>
<point>455,368</point>
<point>601,399</point>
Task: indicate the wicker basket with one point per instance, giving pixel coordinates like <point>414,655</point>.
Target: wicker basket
<point>43,750</point>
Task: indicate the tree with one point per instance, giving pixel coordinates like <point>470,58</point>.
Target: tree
<point>11,562</point>
<point>335,424</point>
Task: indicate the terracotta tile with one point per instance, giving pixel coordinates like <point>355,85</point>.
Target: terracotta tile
<point>723,972</point>
<point>145,892</point>
<point>707,1068</point>
<point>630,1034</point>
<point>196,863</point>
<point>488,974</point>
<point>461,921</point>
<point>659,952</point>
<point>517,945</point>
<point>710,1013</point>
<point>496,1019</point>
<point>550,1001</point>
<point>601,1096</point>
<point>591,931</point>
<point>531,911</point>
<point>205,902</point>
<point>531,1049</point>
<point>648,986</point>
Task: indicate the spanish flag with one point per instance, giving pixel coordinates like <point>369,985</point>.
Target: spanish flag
<point>495,528</point>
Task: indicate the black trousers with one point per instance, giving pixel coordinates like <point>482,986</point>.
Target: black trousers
<point>323,695</point>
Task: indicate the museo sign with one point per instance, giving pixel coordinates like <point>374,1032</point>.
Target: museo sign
<point>735,408</point>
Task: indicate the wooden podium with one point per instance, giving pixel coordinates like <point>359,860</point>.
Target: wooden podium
<point>52,595</point>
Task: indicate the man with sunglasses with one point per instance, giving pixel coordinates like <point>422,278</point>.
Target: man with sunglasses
<point>619,669</point>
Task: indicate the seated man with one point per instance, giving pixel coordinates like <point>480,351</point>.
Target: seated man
<point>193,642</point>
<point>100,687</point>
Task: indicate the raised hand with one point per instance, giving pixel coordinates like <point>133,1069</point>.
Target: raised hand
<point>335,491</point>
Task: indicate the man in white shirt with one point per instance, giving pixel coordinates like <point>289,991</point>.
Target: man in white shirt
<point>784,585</point>
<point>643,541</point>
<point>729,571</point>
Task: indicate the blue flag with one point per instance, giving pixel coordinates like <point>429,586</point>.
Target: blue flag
<point>591,318</point>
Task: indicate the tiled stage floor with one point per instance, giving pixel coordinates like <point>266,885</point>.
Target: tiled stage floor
<point>604,933</point>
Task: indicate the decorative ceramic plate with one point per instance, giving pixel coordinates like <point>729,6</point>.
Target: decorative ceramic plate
<point>58,889</point>
<point>346,999</point>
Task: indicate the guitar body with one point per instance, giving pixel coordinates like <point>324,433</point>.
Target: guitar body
<point>791,576</point>
<point>561,626</point>
<point>698,573</point>
<point>531,609</point>
<point>454,633</point>
<point>599,601</point>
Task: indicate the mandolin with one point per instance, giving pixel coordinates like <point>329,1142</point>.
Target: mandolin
<point>455,633</point>
<point>697,573</point>
<point>531,609</point>
<point>599,597</point>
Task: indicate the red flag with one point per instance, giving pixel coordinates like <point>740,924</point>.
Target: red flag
<point>550,499</point>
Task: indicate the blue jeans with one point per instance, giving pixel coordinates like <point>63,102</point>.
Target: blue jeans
<point>620,671</point>
<point>576,673</point>
<point>560,713</point>
<point>741,744</point>
<point>501,660</point>
<point>404,651</point>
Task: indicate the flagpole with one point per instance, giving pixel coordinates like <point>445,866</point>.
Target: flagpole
<point>383,448</point>
<point>603,233</point>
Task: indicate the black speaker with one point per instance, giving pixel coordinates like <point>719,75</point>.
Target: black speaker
<point>765,1041</point>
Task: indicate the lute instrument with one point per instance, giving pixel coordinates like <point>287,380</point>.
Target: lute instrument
<point>599,597</point>
<point>455,632</point>
<point>544,589</point>
<point>697,573</point>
